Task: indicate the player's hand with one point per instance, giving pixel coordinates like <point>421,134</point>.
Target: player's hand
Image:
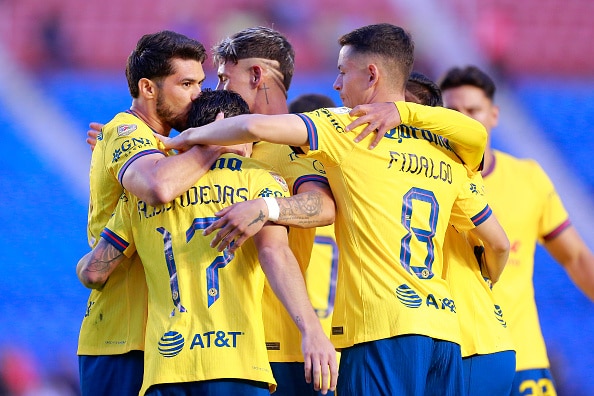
<point>379,117</point>
<point>320,364</point>
<point>92,134</point>
<point>237,224</point>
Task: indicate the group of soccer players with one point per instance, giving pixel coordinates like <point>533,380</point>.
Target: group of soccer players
<point>423,304</point>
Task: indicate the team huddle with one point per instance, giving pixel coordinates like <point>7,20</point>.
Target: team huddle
<point>313,249</point>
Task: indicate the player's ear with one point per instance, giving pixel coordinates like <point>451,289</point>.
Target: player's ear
<point>256,75</point>
<point>373,74</point>
<point>147,88</point>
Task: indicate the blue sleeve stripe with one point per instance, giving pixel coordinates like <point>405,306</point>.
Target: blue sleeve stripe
<point>312,132</point>
<point>134,158</point>
<point>308,178</point>
<point>482,216</point>
<point>114,239</point>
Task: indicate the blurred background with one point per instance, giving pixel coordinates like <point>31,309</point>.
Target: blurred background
<point>62,65</point>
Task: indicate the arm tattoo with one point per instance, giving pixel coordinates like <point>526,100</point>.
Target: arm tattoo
<point>301,206</point>
<point>105,260</point>
<point>260,217</point>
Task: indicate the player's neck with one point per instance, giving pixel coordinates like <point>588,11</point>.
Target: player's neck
<point>270,101</point>
<point>152,120</point>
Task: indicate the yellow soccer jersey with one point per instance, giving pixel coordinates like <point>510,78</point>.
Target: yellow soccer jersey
<point>529,209</point>
<point>283,339</point>
<point>393,204</point>
<point>115,319</point>
<point>482,323</point>
<point>205,310</point>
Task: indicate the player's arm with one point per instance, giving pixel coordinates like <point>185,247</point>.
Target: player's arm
<point>157,179</point>
<point>569,250</point>
<point>496,245</point>
<point>467,137</point>
<point>94,268</point>
<point>281,128</point>
<point>312,206</point>
<point>285,278</point>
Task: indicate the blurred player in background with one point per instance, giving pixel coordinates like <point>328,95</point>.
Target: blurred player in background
<point>164,75</point>
<point>204,333</point>
<point>525,201</point>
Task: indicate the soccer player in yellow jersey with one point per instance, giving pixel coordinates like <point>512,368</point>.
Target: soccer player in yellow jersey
<point>164,74</point>
<point>488,359</point>
<point>525,201</point>
<point>394,318</point>
<point>204,332</point>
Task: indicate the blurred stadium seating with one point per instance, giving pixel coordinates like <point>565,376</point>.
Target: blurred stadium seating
<point>75,52</point>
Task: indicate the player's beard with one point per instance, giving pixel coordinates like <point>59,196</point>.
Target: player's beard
<point>168,116</point>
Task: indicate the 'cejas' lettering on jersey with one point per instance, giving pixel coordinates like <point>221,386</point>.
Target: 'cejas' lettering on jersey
<point>421,165</point>
<point>197,195</point>
<point>216,339</point>
<point>130,147</point>
<point>409,132</point>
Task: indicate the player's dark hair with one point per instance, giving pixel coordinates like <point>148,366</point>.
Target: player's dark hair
<point>210,103</point>
<point>390,42</point>
<point>153,55</point>
<point>424,89</point>
<point>469,75</point>
<point>258,42</point>
<point>310,102</point>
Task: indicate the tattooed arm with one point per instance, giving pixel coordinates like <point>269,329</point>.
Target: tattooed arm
<point>313,206</point>
<point>94,268</point>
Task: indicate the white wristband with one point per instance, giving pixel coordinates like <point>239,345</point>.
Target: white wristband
<point>273,208</point>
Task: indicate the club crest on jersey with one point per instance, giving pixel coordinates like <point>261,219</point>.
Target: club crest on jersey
<point>126,129</point>
<point>279,179</point>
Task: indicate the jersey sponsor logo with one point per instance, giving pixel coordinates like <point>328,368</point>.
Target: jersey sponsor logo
<point>409,132</point>
<point>129,146</point>
<point>126,129</point>
<point>339,110</point>
<point>216,339</point>
<point>171,344</point>
<point>279,179</point>
<point>410,299</point>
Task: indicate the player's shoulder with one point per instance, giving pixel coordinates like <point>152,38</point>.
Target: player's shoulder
<point>329,114</point>
<point>122,125</point>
